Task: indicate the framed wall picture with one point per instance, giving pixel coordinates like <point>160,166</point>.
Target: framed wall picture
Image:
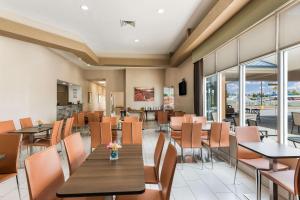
<point>143,94</point>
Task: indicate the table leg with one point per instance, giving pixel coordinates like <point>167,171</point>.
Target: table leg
<point>273,188</point>
<point>31,138</point>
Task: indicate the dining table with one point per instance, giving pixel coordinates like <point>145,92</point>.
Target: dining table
<point>32,131</point>
<point>205,127</point>
<point>272,151</point>
<point>2,156</point>
<point>100,176</point>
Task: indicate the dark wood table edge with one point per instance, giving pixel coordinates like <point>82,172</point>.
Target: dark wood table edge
<point>267,156</point>
<point>100,194</point>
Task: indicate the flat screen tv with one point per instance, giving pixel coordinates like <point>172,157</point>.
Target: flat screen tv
<point>182,88</point>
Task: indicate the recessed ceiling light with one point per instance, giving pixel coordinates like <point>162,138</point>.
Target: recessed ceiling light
<point>84,7</point>
<point>160,11</point>
<point>136,40</point>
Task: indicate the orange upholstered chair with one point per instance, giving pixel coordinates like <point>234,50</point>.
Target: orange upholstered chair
<point>176,123</point>
<point>95,134</point>
<point>188,118</point>
<point>92,117</point>
<point>78,120</point>
<point>132,132</point>
<point>166,180</point>
<point>126,133</point>
<point>7,126</point>
<point>250,158</point>
<point>45,175</point>
<point>288,179</point>
<point>68,127</point>
<point>152,172</point>
<point>75,151</point>
<point>26,122</point>
<point>114,122</point>
<point>105,133</point>
<point>131,119</point>
<point>162,118</point>
<point>9,145</point>
<point>203,121</point>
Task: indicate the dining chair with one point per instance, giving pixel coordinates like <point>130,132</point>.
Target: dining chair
<point>53,140</point>
<point>162,118</point>
<point>95,134</point>
<point>68,127</point>
<point>189,118</point>
<point>126,133</point>
<point>166,180</point>
<point>203,121</point>
<point>176,123</point>
<point>75,151</point>
<point>114,123</point>
<point>152,172</point>
<point>137,132</point>
<point>179,113</point>
<point>91,117</point>
<point>105,133</point>
<point>250,158</point>
<point>26,123</point>
<point>45,176</point>
<point>10,146</point>
<point>131,119</point>
<point>78,120</point>
<point>7,126</point>
<point>287,179</point>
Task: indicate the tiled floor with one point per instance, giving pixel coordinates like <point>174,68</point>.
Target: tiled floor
<point>191,182</point>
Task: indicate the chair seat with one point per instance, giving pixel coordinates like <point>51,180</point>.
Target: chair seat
<point>147,195</point>
<point>4,177</point>
<point>150,175</point>
<point>262,164</point>
<point>285,179</point>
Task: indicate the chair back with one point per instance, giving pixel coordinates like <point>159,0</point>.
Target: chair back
<point>179,113</point>
<point>186,135</point>
<point>131,119</point>
<point>68,127</point>
<point>26,122</point>
<point>200,119</point>
<point>297,179</point>
<point>80,119</point>
<point>137,129</point>
<point>196,135</point>
<point>95,134</point>
<point>44,174</point>
<point>10,146</point>
<point>177,121</point>
<point>55,132</point>
<point>126,133</point>
<point>105,133</point>
<point>60,130</point>
<point>224,140</point>
<point>75,151</point>
<point>246,134</point>
<point>91,117</point>
<point>167,172</point>
<point>158,151</point>
<point>75,121</point>
<point>296,118</point>
<point>215,134</point>
<point>112,120</point>
<point>162,117</point>
<point>7,126</point>
<point>188,118</point>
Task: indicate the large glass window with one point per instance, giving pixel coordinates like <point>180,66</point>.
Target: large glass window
<point>261,93</point>
<point>230,95</point>
<point>211,97</point>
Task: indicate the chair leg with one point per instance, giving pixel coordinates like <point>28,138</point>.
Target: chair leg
<point>292,129</point>
<point>181,155</point>
<point>17,179</point>
<point>202,157</point>
<point>258,185</point>
<point>235,172</point>
<point>211,158</point>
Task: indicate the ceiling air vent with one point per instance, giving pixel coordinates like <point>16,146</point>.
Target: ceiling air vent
<point>127,23</point>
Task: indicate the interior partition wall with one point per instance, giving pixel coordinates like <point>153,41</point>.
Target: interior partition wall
<point>266,60</point>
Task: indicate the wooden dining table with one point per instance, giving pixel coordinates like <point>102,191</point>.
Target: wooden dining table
<point>100,176</point>
<point>272,152</point>
<point>32,131</point>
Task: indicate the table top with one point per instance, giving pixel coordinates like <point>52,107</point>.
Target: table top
<point>294,139</point>
<point>2,156</point>
<point>272,150</point>
<point>99,176</point>
<point>205,127</point>
<point>32,130</point>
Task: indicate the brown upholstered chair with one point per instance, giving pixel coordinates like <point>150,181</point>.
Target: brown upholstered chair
<point>9,145</point>
<point>78,120</point>
<point>202,120</point>
<point>190,137</point>
<point>92,117</point>
<point>132,132</point>
<point>75,151</point>
<point>126,133</point>
<point>152,172</point>
<point>288,179</point>
<point>176,123</point>
<point>131,119</point>
<point>26,122</point>
<point>105,133</point>
<point>68,127</point>
<point>55,136</point>
<point>95,134</point>
<point>45,175</point>
<point>250,158</point>
<point>188,118</point>
<point>7,126</point>
<point>162,118</point>
<point>166,180</point>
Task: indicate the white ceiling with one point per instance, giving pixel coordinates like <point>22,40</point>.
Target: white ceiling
<point>99,27</point>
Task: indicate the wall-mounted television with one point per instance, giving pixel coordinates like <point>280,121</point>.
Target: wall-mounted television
<point>182,88</point>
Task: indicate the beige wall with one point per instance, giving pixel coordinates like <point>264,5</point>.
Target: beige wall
<point>146,78</point>
<point>173,76</point>
<point>28,77</point>
<point>115,81</point>
<point>96,104</point>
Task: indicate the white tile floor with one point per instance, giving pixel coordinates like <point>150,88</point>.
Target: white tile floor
<point>191,182</point>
